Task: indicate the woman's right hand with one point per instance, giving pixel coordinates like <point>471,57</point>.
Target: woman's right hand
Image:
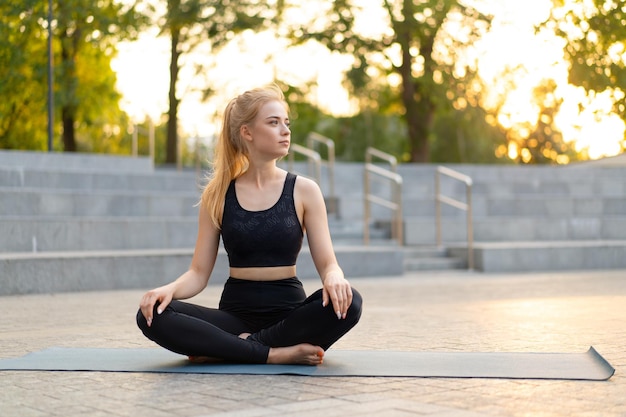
<point>162,295</point>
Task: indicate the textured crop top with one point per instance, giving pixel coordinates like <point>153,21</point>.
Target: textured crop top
<point>271,237</point>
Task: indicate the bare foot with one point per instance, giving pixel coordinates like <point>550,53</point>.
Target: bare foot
<point>302,354</point>
<point>204,359</point>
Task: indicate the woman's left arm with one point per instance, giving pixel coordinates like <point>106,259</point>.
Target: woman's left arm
<point>312,209</point>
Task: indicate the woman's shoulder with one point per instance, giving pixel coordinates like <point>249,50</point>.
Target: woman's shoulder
<point>308,191</point>
<point>305,184</point>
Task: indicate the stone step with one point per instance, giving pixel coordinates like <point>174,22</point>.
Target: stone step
<point>82,202</point>
<point>75,161</point>
<point>52,272</point>
<point>421,231</point>
<point>434,264</point>
<point>53,234</point>
<point>430,258</point>
<point>51,202</point>
<point>514,173</point>
<point>160,181</point>
<point>61,233</point>
<point>545,256</point>
<point>77,271</point>
<point>482,206</point>
<point>418,180</point>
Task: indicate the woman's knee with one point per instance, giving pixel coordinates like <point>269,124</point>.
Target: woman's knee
<point>141,319</point>
<point>142,323</point>
<point>357,305</point>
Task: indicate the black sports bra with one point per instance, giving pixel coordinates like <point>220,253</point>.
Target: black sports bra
<point>271,237</point>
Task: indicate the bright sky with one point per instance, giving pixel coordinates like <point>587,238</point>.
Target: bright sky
<point>143,75</point>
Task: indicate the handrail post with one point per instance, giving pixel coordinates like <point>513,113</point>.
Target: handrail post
<point>366,209</point>
<point>398,215</point>
<point>314,138</point>
<point>395,204</point>
<point>311,156</point>
<point>470,228</point>
<point>437,209</point>
<point>467,207</point>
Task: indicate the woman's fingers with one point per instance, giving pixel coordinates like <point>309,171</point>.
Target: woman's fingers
<point>149,300</point>
<point>163,303</point>
<point>147,307</point>
<point>348,302</point>
<point>325,297</point>
<point>341,298</point>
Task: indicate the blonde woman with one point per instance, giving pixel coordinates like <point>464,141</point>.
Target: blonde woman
<point>261,213</point>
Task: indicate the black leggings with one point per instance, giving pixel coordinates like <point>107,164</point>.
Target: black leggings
<point>276,313</point>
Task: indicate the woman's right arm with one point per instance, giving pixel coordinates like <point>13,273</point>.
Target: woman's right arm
<point>197,276</point>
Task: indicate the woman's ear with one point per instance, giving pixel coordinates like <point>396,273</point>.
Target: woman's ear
<point>245,133</point>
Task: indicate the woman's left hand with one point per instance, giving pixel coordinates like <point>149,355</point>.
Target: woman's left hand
<point>338,291</point>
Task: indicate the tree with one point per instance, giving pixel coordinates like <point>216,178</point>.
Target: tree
<point>23,75</point>
<point>190,23</point>
<point>595,46</point>
<point>466,132</point>
<point>539,141</point>
<point>85,91</point>
<point>423,48</point>
<point>82,27</point>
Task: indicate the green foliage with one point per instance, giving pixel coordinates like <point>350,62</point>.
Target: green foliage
<point>465,136</point>
<point>540,141</point>
<point>595,42</point>
<point>369,128</point>
<point>383,130</point>
<point>192,22</point>
<point>86,30</point>
<point>595,39</point>
<point>23,85</point>
<point>545,143</point>
<point>424,47</point>
<point>84,34</point>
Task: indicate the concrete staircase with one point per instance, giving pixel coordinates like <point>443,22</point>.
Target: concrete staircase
<point>89,222</point>
<point>527,218</point>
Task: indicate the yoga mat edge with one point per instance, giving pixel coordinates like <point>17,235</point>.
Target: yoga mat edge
<point>589,365</point>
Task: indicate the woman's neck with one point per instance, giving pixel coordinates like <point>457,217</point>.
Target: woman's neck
<point>261,174</point>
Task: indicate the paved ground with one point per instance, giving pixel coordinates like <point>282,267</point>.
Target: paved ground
<point>558,312</point>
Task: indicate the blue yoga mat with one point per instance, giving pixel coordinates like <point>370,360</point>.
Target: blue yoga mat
<point>367,363</point>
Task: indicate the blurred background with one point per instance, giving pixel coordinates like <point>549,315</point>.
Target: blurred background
<point>431,81</point>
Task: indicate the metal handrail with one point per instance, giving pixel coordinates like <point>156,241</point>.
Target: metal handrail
<point>465,206</point>
<point>136,129</point>
<point>315,138</point>
<point>311,155</point>
<point>395,204</point>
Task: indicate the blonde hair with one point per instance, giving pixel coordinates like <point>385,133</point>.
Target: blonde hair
<point>231,155</point>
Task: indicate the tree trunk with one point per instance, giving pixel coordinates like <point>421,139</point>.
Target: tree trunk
<point>69,50</point>
<point>171,148</point>
<point>420,125</point>
<point>418,110</point>
<point>69,136</point>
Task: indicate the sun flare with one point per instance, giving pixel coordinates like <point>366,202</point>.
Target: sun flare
<point>256,59</point>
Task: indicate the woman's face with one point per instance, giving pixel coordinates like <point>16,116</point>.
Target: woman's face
<point>269,133</point>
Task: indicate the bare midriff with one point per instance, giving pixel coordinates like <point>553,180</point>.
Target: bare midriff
<point>265,273</point>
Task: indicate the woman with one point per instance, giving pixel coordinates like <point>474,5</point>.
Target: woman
<point>261,212</point>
